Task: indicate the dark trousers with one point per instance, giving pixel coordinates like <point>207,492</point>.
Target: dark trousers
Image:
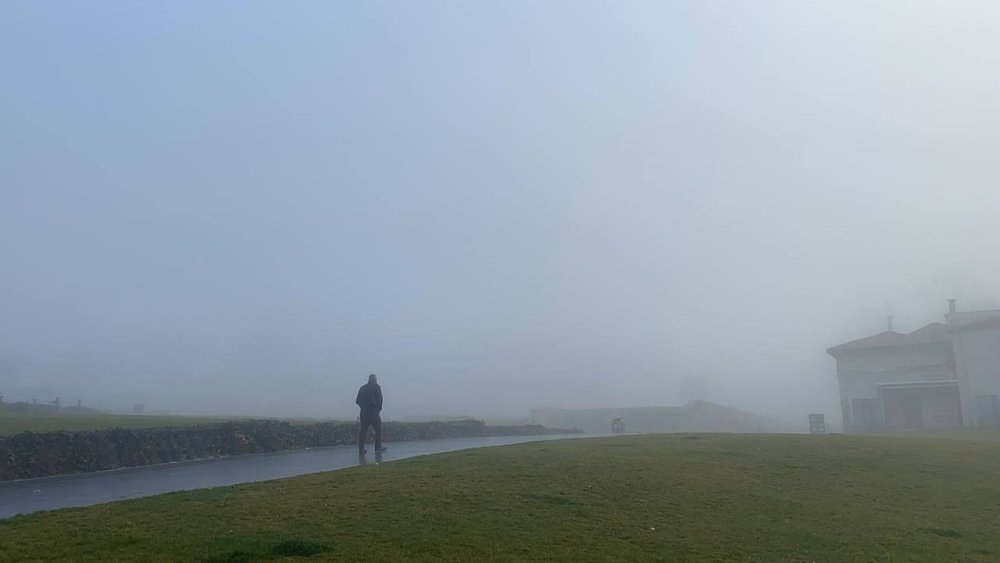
<point>375,421</point>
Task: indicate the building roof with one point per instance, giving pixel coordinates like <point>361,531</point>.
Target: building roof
<point>985,323</point>
<point>957,318</point>
<point>934,333</point>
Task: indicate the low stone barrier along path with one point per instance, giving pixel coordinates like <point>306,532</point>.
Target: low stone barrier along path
<point>32,495</point>
<point>31,455</point>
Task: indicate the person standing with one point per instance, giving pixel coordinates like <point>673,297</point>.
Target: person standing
<point>370,401</point>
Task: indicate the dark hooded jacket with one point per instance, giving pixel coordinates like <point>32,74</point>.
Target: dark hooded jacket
<point>370,398</point>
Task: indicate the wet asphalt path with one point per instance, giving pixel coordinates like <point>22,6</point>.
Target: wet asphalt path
<point>49,493</point>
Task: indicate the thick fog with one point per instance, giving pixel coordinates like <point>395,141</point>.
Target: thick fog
<point>246,208</point>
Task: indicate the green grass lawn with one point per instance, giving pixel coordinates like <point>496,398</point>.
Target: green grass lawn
<point>967,433</point>
<point>707,497</point>
<point>13,424</point>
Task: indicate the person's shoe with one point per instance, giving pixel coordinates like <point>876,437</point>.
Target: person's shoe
<point>381,448</point>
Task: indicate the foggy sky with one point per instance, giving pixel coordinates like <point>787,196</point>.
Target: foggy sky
<point>245,208</point>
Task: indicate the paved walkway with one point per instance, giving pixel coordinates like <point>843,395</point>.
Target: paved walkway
<point>32,495</point>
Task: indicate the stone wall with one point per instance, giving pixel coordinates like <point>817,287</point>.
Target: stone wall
<point>29,454</point>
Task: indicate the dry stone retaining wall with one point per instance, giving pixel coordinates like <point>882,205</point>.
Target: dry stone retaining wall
<point>30,454</point>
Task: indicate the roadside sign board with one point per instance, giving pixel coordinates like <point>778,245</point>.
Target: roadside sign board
<point>817,425</point>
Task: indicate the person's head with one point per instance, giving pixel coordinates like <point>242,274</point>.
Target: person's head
<point>371,379</point>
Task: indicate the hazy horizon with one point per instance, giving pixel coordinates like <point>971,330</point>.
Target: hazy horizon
<point>246,208</point>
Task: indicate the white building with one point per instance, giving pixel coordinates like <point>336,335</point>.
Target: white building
<point>939,376</point>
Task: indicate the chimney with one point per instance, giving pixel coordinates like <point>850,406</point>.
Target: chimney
<point>888,322</point>
<point>951,306</point>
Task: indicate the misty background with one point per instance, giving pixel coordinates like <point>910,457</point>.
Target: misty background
<point>247,207</point>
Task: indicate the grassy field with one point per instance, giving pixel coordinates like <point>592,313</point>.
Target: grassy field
<point>967,433</point>
<point>13,424</point>
<point>635,498</point>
